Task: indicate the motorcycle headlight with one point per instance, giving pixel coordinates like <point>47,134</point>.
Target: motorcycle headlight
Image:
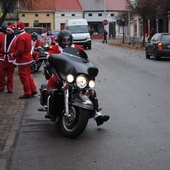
<point>81,81</point>
<point>70,78</point>
<point>91,83</point>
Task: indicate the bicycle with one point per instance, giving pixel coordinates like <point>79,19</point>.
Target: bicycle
<point>133,43</point>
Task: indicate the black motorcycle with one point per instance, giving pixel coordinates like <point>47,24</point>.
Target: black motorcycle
<point>36,65</point>
<point>72,103</point>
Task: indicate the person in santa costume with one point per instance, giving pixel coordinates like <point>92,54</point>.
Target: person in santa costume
<point>23,60</point>
<point>48,39</point>
<point>7,46</point>
<point>1,32</point>
<point>36,46</point>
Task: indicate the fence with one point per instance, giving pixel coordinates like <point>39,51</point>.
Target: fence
<point>133,41</point>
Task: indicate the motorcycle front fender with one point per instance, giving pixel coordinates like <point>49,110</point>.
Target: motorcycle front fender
<point>82,101</point>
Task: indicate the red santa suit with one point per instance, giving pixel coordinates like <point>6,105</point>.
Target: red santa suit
<point>1,34</point>
<point>56,49</point>
<point>49,40</point>
<point>23,60</point>
<point>7,46</point>
<point>35,45</point>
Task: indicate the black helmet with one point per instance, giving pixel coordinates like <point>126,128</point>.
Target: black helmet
<point>34,36</point>
<point>49,33</point>
<point>64,36</point>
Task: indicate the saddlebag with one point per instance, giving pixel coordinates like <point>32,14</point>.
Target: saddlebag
<point>55,102</point>
<point>43,96</point>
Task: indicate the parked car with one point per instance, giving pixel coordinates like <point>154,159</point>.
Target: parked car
<point>158,46</point>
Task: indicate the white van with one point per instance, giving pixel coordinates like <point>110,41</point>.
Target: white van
<point>80,32</point>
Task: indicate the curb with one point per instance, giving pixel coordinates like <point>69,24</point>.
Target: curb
<point>13,112</point>
<point>10,142</point>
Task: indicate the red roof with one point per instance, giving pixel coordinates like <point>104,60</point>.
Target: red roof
<point>116,5</point>
<point>79,5</point>
<point>46,5</point>
<point>68,5</point>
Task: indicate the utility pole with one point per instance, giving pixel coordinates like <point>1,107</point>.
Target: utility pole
<point>104,7</point>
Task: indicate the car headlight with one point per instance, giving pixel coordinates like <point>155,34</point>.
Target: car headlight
<point>81,81</point>
<point>91,83</point>
<point>70,78</point>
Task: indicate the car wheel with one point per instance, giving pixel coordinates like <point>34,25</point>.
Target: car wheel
<point>147,55</point>
<point>156,57</point>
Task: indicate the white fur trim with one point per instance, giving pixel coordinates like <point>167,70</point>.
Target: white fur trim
<point>10,29</point>
<point>22,63</point>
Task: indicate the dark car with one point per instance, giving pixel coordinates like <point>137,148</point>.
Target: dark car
<point>158,46</point>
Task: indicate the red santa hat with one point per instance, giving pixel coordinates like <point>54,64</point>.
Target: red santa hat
<point>20,26</point>
<point>11,27</point>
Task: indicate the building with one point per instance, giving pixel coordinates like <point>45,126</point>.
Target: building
<point>41,14</point>
<point>52,14</point>
<point>96,11</point>
<point>66,9</point>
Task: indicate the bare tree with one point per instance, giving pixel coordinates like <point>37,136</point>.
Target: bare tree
<point>147,9</point>
<point>6,6</point>
<point>164,6</point>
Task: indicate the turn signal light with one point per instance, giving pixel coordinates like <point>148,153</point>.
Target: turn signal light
<point>64,88</point>
<point>159,46</point>
<point>87,93</point>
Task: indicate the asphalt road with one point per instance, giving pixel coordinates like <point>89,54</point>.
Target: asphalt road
<point>135,92</point>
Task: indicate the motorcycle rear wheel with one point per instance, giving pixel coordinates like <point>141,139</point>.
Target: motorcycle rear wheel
<point>74,125</point>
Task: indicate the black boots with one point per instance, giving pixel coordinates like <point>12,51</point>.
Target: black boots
<point>101,119</point>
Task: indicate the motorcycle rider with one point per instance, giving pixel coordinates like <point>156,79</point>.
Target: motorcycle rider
<point>36,44</point>
<point>49,39</point>
<point>65,39</point>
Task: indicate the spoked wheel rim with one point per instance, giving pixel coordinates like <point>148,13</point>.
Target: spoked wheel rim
<point>70,122</point>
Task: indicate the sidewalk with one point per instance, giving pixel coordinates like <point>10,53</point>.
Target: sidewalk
<point>11,113</point>
<point>118,43</point>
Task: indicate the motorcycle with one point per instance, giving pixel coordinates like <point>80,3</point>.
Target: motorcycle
<point>73,102</point>
<point>36,64</point>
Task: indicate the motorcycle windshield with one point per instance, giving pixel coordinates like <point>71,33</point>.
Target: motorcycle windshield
<point>73,63</point>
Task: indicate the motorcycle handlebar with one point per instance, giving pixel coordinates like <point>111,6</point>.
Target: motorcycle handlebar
<point>43,56</point>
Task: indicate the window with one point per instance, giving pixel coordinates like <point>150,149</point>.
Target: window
<point>90,15</point>
<point>78,28</point>
<point>73,15</point>
<point>112,15</point>
<point>36,15</point>
<point>165,37</point>
<point>155,37</point>
<point>100,15</point>
<point>23,15</point>
<point>62,15</point>
<point>47,15</point>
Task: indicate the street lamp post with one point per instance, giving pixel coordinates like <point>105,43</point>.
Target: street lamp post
<point>129,33</point>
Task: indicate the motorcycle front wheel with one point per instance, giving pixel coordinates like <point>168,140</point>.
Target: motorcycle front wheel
<point>73,125</point>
